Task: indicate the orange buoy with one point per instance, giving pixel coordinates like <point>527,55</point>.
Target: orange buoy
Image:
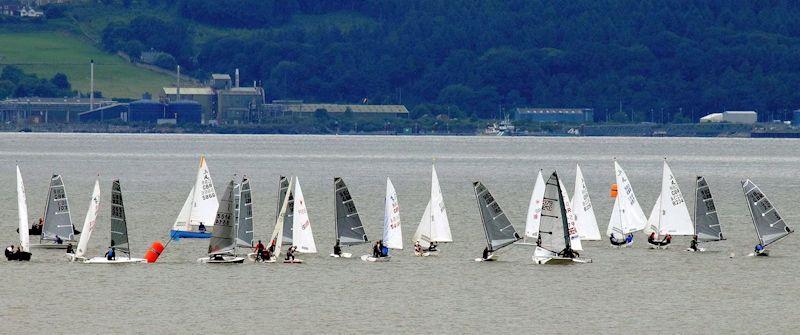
<point>613,190</point>
<point>154,251</point>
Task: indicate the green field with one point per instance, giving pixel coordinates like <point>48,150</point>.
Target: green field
<point>46,53</point>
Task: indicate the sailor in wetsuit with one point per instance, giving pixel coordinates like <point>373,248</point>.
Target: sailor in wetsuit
<point>759,250</point>
<point>486,254</point>
<point>337,250</point>
<point>376,249</point>
<point>432,247</point>
<point>693,244</point>
<point>614,241</point>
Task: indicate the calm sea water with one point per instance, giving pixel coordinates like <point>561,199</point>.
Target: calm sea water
<point>624,291</point>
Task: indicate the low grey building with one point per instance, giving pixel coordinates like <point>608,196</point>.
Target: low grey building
<point>576,115</point>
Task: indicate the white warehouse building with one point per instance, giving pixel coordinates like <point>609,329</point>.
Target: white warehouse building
<point>745,117</point>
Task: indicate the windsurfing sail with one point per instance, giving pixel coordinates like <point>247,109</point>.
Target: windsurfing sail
<point>670,214</point>
<point>119,223</point>
<point>302,236</point>
<point>706,221</point>
<point>627,216</point>
<point>223,238</point>
<point>534,217</point>
<point>90,221</point>
<point>201,205</point>
<point>22,211</point>
<point>349,229</point>
<point>769,225</point>
<point>434,225</point>
<point>496,226</point>
<point>557,228</point>
<point>585,219</point>
<point>243,213</point>
<point>277,232</point>
<point>57,218</point>
<point>392,231</point>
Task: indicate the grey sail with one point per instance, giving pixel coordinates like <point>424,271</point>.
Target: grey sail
<point>553,226</point>
<point>498,229</point>
<point>243,214</point>
<point>349,229</point>
<point>706,221</point>
<point>223,237</point>
<point>57,218</point>
<point>119,225</point>
<point>283,187</point>
<point>289,218</point>
<point>769,225</point>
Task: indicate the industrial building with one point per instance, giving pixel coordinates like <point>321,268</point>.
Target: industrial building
<point>576,115</point>
<point>223,101</point>
<point>300,109</point>
<point>48,110</point>
<point>743,117</point>
<point>204,96</point>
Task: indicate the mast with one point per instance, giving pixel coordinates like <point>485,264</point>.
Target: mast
<point>752,216</point>
<point>475,186</point>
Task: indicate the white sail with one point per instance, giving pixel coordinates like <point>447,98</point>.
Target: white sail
<point>627,215</point>
<point>585,219</point>
<point>392,231</point>
<point>670,214</point>
<point>201,205</point>
<point>90,221</point>
<point>302,236</point>
<point>22,209</point>
<point>277,232</point>
<point>572,228</point>
<point>434,225</point>
<point>534,218</point>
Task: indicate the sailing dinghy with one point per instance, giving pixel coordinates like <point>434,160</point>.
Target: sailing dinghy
<point>57,218</point>
<point>769,225</point>
<point>349,229</point>
<point>243,216</point>
<point>222,246</point>
<point>284,192</point>
<point>706,222</point>
<point>534,217</point>
<point>119,231</point>
<point>627,216</point>
<point>497,228</point>
<point>434,227</point>
<point>199,211</point>
<point>560,240</point>
<point>24,252</point>
<point>392,230</point>
<point>302,235</point>
<point>670,216</point>
<point>276,239</point>
<point>89,223</point>
<point>585,220</point>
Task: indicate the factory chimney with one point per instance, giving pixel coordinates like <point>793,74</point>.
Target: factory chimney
<point>178,90</point>
<point>237,77</point>
<point>91,84</point>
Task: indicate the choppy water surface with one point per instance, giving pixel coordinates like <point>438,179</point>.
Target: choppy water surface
<point>624,291</point>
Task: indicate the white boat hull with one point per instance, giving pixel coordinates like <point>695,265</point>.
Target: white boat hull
<point>544,256</point>
<point>343,255</point>
<point>491,258</point>
<point>369,258</point>
<point>293,261</point>
<point>73,258</point>
<point>224,260</point>
<point>49,246</point>
<point>423,254</point>
<point>104,260</point>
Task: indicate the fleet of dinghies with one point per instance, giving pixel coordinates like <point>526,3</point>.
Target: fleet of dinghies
<point>555,225</point>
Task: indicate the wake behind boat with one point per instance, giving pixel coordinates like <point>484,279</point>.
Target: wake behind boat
<point>200,208</point>
<point>496,227</point>
<point>560,241</point>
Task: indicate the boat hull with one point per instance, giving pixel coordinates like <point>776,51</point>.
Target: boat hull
<point>19,256</point>
<point>103,260</point>
<point>423,254</point>
<point>544,256</point>
<point>293,261</point>
<point>369,258</point>
<point>49,246</point>
<point>343,255</point>
<point>224,260</point>
<point>179,234</point>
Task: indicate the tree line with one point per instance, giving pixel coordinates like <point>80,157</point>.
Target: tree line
<point>645,60</point>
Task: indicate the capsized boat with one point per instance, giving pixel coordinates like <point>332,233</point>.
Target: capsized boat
<point>768,223</point>
<point>347,221</point>
<point>222,246</point>
<point>24,252</point>
<point>627,216</point>
<point>57,218</point>
<point>196,219</point>
<point>560,241</point>
<point>498,230</point>
<point>670,216</point>
<point>434,226</point>
<point>392,229</point>
<point>119,230</point>
<point>706,222</point>
<point>585,220</point>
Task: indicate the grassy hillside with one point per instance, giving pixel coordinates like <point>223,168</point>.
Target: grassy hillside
<point>48,52</point>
